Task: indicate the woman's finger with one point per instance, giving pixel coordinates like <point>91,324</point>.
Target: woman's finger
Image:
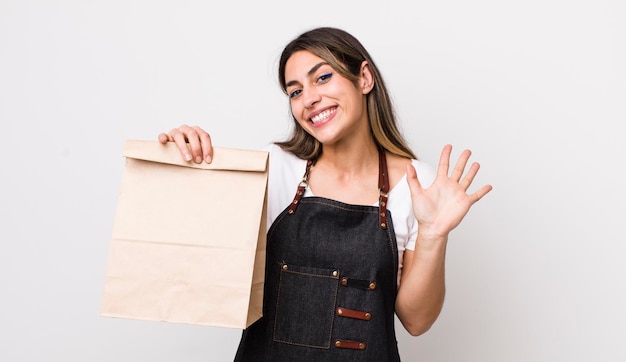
<point>207,147</point>
<point>480,193</point>
<point>194,143</point>
<point>444,161</point>
<point>163,138</point>
<point>469,177</point>
<point>178,136</point>
<point>411,177</point>
<point>459,168</point>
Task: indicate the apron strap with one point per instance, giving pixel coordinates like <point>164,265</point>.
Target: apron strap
<point>383,187</point>
<point>301,187</point>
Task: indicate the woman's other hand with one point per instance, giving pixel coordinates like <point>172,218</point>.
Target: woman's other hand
<point>442,206</point>
<point>193,142</point>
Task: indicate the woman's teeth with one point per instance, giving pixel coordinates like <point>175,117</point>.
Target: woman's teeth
<point>322,116</point>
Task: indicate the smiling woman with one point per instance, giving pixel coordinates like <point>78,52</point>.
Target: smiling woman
<point>331,110</point>
<point>355,236</point>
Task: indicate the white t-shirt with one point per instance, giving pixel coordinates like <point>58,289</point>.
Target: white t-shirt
<point>286,171</point>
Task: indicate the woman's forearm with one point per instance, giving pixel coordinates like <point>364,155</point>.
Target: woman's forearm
<point>422,286</point>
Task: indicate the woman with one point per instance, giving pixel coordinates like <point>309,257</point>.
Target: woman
<point>355,236</point>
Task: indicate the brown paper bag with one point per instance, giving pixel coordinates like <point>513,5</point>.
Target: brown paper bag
<point>188,240</point>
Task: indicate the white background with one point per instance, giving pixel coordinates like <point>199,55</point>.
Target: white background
<point>535,88</point>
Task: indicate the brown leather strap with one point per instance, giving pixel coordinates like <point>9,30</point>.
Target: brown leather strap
<point>383,187</point>
<point>340,343</point>
<point>301,188</point>
<point>351,313</point>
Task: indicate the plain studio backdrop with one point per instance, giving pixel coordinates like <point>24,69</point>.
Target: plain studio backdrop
<point>535,88</point>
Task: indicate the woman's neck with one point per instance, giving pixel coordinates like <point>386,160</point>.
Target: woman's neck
<point>350,158</point>
<point>347,173</point>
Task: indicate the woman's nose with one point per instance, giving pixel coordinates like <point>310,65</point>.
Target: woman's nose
<point>311,97</point>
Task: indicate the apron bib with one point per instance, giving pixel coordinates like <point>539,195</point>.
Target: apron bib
<point>330,283</point>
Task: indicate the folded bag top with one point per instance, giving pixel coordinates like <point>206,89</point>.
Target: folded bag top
<point>223,158</point>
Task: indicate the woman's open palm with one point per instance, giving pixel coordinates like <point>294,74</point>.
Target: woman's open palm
<point>441,207</point>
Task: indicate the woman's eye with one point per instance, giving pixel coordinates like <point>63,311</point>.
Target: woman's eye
<point>295,93</point>
<point>324,78</point>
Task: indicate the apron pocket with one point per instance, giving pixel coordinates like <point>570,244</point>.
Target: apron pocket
<point>305,305</point>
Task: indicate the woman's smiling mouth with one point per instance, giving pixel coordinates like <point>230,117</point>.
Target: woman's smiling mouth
<point>323,116</point>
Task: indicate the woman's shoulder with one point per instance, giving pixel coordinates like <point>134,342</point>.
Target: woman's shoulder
<point>285,174</point>
<point>282,158</point>
<point>397,170</point>
<point>425,172</point>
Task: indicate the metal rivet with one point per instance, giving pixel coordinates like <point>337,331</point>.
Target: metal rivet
<point>285,267</point>
<point>335,273</point>
<point>337,343</point>
<point>295,202</point>
<point>368,316</point>
<point>382,224</point>
<point>299,192</point>
<point>382,203</point>
<point>344,281</point>
<point>372,285</point>
<point>361,345</point>
<point>339,311</point>
<point>290,212</point>
<point>382,214</point>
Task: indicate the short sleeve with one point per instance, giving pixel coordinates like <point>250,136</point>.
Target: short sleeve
<point>426,176</point>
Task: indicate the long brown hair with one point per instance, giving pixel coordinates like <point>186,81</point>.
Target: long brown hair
<point>345,54</point>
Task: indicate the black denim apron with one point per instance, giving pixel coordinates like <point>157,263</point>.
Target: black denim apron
<point>330,283</point>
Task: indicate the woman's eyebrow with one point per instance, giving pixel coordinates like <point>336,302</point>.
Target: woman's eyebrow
<point>309,73</point>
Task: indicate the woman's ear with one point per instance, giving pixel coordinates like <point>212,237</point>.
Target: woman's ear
<point>366,78</point>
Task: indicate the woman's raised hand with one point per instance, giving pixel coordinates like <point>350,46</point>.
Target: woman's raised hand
<point>193,142</point>
<point>442,206</point>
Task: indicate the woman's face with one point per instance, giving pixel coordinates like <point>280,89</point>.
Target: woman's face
<point>327,105</point>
